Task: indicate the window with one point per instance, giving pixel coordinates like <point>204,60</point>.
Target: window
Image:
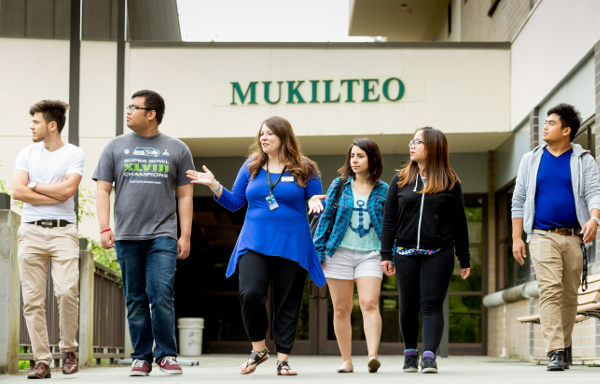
<point>586,136</point>
<point>508,272</point>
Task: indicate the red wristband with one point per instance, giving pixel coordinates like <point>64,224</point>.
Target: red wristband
<point>105,230</point>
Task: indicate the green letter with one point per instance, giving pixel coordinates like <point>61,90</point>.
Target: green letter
<point>314,90</point>
<point>251,88</point>
<point>386,85</point>
<point>350,85</point>
<point>368,90</point>
<point>294,91</point>
<point>328,93</point>
<point>267,85</point>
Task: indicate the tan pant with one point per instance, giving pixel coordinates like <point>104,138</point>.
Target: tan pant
<point>39,246</point>
<point>558,262</point>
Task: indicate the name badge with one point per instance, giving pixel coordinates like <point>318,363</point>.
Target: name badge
<point>272,202</point>
<point>287,179</point>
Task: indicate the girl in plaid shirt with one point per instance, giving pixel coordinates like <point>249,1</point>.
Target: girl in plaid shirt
<point>351,251</point>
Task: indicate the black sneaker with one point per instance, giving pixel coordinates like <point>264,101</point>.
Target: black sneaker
<point>556,362</point>
<point>411,363</point>
<point>428,365</point>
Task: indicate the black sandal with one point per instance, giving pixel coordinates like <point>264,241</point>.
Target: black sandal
<point>284,366</point>
<point>256,357</point>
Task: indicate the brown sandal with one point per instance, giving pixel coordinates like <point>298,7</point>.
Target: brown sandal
<point>373,364</point>
<point>284,369</point>
<point>256,357</point>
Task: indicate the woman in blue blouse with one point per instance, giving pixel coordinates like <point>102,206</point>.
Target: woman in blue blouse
<point>274,245</point>
<point>351,252</point>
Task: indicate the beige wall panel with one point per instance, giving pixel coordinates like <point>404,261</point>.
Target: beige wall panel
<point>93,148</point>
<point>30,70</point>
<point>443,86</point>
<point>98,89</point>
<point>556,37</point>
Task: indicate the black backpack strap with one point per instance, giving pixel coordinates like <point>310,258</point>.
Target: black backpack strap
<point>584,272</point>
<point>335,202</point>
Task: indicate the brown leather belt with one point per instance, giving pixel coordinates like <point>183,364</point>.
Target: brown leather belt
<point>563,231</point>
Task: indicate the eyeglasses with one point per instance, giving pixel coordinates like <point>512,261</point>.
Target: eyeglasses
<point>134,108</point>
<point>414,143</point>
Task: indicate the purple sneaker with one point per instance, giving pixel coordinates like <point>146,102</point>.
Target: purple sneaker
<point>170,365</point>
<point>140,368</point>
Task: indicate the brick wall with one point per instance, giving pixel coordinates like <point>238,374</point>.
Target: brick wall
<point>512,339</point>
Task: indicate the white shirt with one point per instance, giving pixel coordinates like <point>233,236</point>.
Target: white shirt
<point>48,167</point>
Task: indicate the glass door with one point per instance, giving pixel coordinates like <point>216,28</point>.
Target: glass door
<point>467,316</point>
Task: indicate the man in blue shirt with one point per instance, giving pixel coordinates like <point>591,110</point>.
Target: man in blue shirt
<point>557,203</point>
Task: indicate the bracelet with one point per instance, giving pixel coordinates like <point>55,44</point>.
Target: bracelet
<point>105,230</point>
<point>217,189</point>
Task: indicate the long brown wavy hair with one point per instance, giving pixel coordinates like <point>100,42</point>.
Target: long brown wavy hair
<point>298,165</point>
<point>440,176</point>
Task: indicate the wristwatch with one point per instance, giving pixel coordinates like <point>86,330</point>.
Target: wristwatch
<point>31,185</point>
<point>597,220</point>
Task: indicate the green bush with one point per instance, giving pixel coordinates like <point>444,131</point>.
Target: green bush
<point>106,257</point>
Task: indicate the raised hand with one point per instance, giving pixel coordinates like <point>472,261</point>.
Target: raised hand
<point>204,178</point>
<point>315,205</point>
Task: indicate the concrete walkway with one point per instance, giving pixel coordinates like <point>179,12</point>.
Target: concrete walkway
<point>321,369</point>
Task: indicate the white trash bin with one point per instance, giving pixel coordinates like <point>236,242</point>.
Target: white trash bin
<point>190,335</point>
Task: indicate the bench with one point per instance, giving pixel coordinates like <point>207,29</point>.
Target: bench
<point>588,303</point>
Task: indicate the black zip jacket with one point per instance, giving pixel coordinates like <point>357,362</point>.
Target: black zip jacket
<point>424,221</point>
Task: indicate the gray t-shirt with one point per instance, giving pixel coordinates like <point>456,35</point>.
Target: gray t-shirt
<point>145,171</point>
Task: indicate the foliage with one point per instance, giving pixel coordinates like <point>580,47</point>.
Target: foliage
<point>3,185</point>
<point>24,365</point>
<point>85,201</point>
<point>4,189</point>
<point>106,257</point>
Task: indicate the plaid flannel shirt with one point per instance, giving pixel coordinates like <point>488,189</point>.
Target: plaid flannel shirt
<point>327,246</point>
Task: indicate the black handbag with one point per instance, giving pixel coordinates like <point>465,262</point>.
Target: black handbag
<point>314,221</point>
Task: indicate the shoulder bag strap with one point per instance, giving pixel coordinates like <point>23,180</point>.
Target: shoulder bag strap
<point>335,202</point>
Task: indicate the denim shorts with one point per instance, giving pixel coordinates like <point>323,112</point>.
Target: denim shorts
<point>348,264</point>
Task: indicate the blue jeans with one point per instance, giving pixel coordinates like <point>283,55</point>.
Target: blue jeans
<point>148,271</point>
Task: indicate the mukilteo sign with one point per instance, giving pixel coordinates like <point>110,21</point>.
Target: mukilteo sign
<point>371,90</point>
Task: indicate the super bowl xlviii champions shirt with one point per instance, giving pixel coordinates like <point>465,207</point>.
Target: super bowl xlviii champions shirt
<point>145,172</point>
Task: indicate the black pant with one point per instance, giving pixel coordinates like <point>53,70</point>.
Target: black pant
<point>422,285</point>
<point>256,271</point>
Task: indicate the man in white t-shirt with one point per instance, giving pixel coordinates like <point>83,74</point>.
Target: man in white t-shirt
<point>47,174</point>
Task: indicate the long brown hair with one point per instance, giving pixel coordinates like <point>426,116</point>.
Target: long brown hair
<point>373,156</point>
<point>440,176</point>
<point>298,165</point>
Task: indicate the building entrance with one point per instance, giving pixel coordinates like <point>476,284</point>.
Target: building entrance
<point>201,290</point>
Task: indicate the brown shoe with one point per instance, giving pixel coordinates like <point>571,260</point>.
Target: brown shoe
<point>39,371</point>
<point>69,363</point>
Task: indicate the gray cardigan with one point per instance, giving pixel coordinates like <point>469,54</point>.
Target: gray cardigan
<point>584,179</point>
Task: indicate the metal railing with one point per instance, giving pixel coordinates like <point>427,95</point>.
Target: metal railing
<point>109,315</point>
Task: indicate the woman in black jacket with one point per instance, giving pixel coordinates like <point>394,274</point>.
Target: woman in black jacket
<point>424,224</point>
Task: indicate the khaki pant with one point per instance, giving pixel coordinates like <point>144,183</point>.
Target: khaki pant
<point>39,246</point>
<point>558,262</point>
